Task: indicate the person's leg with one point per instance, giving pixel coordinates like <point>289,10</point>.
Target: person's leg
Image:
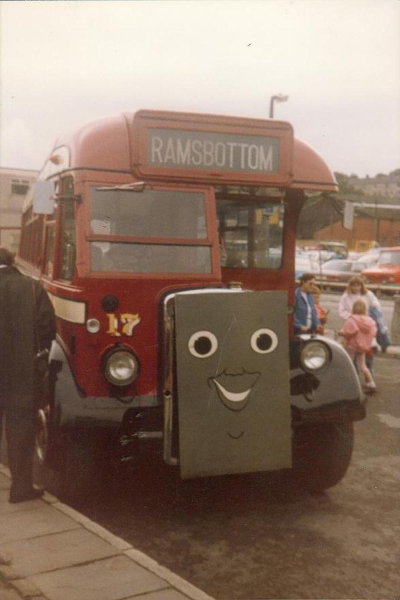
<point>352,354</point>
<point>20,431</point>
<point>371,386</point>
<point>369,360</point>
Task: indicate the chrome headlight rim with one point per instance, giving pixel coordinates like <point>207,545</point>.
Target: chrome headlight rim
<point>315,356</point>
<point>113,370</point>
<point>93,325</point>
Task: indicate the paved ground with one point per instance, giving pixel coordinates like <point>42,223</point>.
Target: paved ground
<point>260,538</point>
<point>48,551</point>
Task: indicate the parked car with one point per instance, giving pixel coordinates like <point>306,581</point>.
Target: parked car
<point>355,255</point>
<point>373,251</point>
<point>368,258</point>
<point>327,251</point>
<point>338,248</point>
<point>305,264</point>
<point>321,256</point>
<point>341,270</point>
<point>387,269</point>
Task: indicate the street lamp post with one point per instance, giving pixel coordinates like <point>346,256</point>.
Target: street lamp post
<point>278,98</point>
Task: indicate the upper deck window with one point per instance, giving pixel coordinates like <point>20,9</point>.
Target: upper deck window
<point>251,234</point>
<point>167,227</point>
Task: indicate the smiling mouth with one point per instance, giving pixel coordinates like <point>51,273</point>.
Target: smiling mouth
<point>235,436</point>
<point>232,396</point>
<point>235,391</point>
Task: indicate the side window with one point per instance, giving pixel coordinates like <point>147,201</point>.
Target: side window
<point>67,232</point>
<point>49,256</point>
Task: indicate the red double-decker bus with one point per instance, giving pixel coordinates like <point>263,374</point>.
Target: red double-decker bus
<point>166,242</point>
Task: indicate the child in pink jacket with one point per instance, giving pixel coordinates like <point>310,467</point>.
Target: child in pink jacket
<point>359,331</point>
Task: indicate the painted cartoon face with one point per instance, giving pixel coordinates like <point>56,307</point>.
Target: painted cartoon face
<point>234,390</point>
<point>232,367</point>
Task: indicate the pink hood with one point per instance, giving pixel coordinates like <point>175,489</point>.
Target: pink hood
<point>359,331</point>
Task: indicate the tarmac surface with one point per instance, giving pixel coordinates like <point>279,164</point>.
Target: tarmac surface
<point>49,551</point>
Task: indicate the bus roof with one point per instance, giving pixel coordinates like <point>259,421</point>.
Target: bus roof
<point>112,144</point>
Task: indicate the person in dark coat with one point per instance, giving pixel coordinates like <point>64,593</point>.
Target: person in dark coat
<point>27,324</point>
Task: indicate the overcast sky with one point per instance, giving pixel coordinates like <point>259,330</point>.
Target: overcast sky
<point>64,63</point>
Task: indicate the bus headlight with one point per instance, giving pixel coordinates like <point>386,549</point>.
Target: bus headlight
<point>121,367</point>
<point>314,356</point>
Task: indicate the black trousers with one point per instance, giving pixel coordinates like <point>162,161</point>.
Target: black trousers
<point>20,428</point>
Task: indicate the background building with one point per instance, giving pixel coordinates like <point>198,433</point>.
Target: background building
<point>14,185</point>
<point>376,204</point>
<point>381,186</point>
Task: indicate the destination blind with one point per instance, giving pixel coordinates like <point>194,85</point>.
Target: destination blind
<point>227,152</point>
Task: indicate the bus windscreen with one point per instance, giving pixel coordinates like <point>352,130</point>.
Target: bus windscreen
<point>251,235</point>
<point>152,216</point>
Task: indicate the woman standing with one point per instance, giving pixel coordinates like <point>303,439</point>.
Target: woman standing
<point>356,290</point>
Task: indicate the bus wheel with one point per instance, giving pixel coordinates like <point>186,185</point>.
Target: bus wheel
<point>46,444</point>
<point>48,416</point>
<point>42,437</point>
<point>322,454</point>
<point>47,456</point>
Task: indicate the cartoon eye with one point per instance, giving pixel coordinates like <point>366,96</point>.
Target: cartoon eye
<point>202,344</point>
<point>264,341</point>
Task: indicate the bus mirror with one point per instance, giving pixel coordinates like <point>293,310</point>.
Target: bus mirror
<point>43,197</point>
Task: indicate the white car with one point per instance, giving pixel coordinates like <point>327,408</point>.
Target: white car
<point>370,260</point>
<point>305,264</point>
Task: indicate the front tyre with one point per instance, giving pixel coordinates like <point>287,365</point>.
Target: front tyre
<point>42,442</point>
<point>47,439</point>
<point>322,454</point>
<point>47,453</point>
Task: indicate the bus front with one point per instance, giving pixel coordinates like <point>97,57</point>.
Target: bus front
<point>183,284</point>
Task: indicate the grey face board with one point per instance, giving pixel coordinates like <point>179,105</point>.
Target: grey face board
<point>233,382</point>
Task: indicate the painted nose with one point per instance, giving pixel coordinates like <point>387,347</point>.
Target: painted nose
<point>233,351</point>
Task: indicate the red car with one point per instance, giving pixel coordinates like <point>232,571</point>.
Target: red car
<point>387,269</point>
